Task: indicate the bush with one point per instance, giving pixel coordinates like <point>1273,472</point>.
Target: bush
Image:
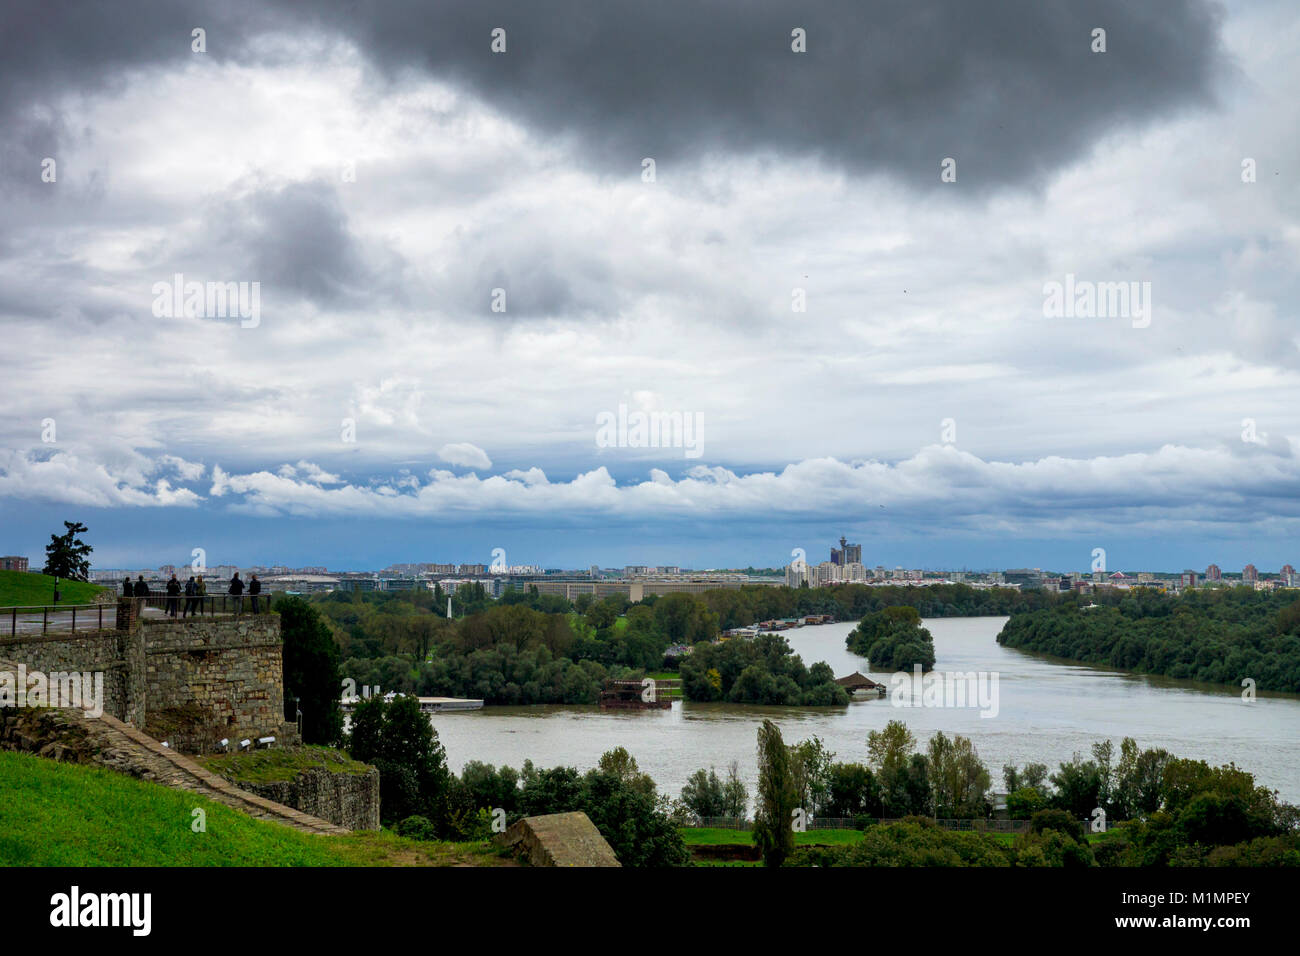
<point>416,827</point>
<point>915,842</point>
<point>1058,820</point>
<point>1022,804</point>
<point>1053,848</point>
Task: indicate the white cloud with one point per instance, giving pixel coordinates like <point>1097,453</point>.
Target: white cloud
<point>677,297</point>
<point>465,455</point>
<point>1173,487</point>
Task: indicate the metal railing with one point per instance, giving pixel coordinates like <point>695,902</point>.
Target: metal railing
<point>67,618</point>
<point>56,616</point>
<point>209,605</point>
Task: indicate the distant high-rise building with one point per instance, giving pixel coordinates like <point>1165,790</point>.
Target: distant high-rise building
<point>846,553</point>
<point>1188,579</point>
<point>1213,573</point>
<point>1289,576</point>
<point>13,562</point>
<point>1250,574</point>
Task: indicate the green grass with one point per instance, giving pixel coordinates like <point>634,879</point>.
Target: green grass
<point>717,836</point>
<point>23,589</point>
<point>56,814</point>
<point>277,764</point>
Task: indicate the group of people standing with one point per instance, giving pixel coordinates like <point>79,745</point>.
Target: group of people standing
<point>195,591</point>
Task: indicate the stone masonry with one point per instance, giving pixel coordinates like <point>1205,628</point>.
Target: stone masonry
<point>350,800</point>
<point>558,839</point>
<point>191,682</point>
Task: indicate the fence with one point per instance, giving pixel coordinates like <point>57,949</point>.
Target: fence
<point>861,823</point>
<point>211,605</point>
<point>61,618</point>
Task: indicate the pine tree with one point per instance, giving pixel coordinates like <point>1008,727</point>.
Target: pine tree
<point>66,554</point>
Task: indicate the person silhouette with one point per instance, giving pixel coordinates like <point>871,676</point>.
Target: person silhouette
<point>237,589</point>
<point>173,595</point>
<point>191,589</point>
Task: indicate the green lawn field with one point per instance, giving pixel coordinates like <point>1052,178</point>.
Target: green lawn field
<point>23,589</point>
<point>57,814</point>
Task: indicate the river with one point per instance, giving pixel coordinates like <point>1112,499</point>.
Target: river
<point>1047,711</point>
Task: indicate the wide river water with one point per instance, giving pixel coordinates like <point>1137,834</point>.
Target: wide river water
<point>1047,711</point>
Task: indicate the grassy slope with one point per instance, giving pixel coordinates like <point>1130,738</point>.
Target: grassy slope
<point>54,814</point>
<point>25,590</point>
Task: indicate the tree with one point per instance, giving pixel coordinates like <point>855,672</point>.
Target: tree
<point>1078,787</point>
<point>777,797</point>
<point>852,791</point>
<point>734,795</point>
<point>960,779</point>
<point>1024,802</point>
<point>66,554</point>
<point>810,764</point>
<point>400,741</point>
<point>703,794</point>
<point>888,749</point>
<point>639,833</point>
<point>623,765</point>
<point>311,670</point>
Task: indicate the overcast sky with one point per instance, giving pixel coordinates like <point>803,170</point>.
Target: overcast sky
<point>381,173</point>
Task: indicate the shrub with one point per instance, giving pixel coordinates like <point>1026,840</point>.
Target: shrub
<point>416,827</point>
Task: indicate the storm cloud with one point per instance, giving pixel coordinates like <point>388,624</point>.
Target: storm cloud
<point>1012,90</point>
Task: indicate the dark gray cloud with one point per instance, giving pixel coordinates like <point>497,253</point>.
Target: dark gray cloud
<point>1011,90</point>
<point>297,240</point>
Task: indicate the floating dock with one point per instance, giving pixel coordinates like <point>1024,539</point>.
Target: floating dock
<point>428,705</point>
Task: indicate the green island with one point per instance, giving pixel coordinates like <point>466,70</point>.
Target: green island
<point>531,648</point>
<point>1219,635</point>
